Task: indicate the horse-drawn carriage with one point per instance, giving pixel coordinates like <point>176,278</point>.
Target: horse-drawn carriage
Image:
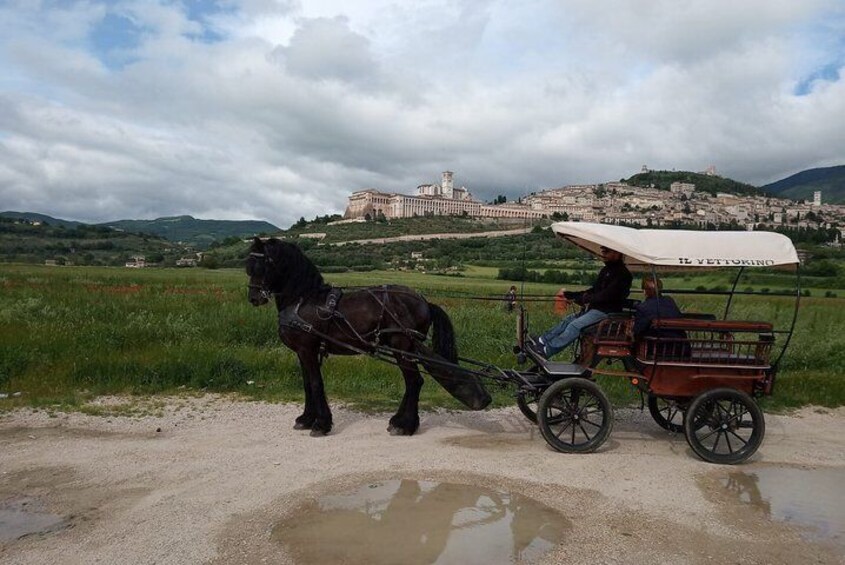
<point>700,374</point>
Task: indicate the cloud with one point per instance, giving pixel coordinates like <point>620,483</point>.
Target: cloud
<point>276,110</point>
<point>326,49</point>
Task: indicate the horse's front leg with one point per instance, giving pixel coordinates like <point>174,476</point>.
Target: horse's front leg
<point>406,421</point>
<point>309,413</point>
<point>318,411</point>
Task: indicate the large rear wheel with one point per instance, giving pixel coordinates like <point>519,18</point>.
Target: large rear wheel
<point>575,416</point>
<point>668,414</point>
<point>724,426</point>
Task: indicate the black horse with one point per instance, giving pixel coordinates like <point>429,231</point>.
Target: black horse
<point>316,320</point>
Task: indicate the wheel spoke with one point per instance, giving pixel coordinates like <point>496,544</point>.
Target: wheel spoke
<point>701,439</point>
<point>590,403</point>
<point>584,431</point>
<point>674,413</point>
<point>744,442</point>
<point>583,411</point>
<point>563,429</point>
<point>566,402</point>
<point>738,410</point>
<point>728,441</point>
<point>586,421</point>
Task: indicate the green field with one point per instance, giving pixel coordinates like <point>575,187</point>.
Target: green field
<point>70,334</point>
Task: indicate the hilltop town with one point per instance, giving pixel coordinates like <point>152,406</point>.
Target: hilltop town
<point>612,202</point>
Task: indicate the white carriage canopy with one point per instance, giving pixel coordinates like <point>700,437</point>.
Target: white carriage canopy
<point>682,249</point>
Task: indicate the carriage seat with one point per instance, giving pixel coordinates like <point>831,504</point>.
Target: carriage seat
<point>711,325</point>
<point>710,342</point>
<point>611,329</point>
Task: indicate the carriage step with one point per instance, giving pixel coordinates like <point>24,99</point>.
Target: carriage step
<point>563,369</point>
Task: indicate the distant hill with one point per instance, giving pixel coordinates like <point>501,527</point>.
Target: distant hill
<point>80,244</point>
<point>35,217</point>
<point>800,186</point>
<point>200,233</point>
<point>711,184</point>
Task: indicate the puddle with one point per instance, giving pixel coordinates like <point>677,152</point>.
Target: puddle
<point>812,498</point>
<point>406,521</point>
<point>491,441</point>
<point>21,516</point>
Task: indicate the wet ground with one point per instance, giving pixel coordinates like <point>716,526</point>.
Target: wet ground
<point>812,499</point>
<point>425,522</point>
<point>22,516</point>
<point>232,482</point>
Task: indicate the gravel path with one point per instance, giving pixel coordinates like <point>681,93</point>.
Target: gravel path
<point>204,480</point>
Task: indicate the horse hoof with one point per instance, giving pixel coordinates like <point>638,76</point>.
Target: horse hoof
<point>301,426</point>
<point>318,433</point>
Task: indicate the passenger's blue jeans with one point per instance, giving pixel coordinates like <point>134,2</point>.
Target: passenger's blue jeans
<point>567,331</point>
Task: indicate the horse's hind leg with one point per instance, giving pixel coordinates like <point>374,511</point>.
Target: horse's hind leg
<point>318,412</point>
<point>406,421</point>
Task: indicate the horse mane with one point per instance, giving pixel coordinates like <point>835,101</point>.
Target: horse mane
<point>296,275</point>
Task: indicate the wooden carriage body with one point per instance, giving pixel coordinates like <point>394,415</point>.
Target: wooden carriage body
<point>684,356</point>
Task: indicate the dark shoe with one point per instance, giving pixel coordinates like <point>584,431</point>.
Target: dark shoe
<point>536,349</point>
<point>536,340</point>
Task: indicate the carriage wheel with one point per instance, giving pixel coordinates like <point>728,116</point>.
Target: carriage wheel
<point>527,402</point>
<point>668,414</point>
<point>724,426</point>
<point>575,416</point>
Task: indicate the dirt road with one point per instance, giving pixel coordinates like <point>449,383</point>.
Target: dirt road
<point>207,480</point>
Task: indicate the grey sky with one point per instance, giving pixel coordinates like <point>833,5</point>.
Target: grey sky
<point>276,110</point>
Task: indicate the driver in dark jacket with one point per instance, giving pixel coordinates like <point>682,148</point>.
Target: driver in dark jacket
<point>606,296</point>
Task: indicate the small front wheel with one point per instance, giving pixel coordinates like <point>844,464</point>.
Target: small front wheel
<point>527,400</point>
<point>724,426</point>
<point>575,416</point>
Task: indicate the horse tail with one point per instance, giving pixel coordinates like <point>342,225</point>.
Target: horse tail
<point>443,335</point>
<point>464,385</point>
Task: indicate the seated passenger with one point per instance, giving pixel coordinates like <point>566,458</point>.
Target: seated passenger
<point>656,307</point>
<point>606,296</point>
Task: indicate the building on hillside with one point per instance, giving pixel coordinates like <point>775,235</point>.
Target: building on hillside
<point>137,262</point>
<point>442,199</point>
<point>817,198</point>
<point>685,188</point>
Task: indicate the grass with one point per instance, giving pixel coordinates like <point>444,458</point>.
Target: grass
<point>69,335</point>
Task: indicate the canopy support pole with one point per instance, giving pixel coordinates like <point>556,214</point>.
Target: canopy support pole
<point>731,297</point>
<point>794,317</point>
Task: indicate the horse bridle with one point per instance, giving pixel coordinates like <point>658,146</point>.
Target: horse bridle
<point>262,288</point>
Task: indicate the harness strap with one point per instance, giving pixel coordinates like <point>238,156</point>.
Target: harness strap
<point>291,318</point>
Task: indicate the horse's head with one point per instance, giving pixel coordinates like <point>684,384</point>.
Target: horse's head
<point>258,270</point>
<point>280,269</point>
